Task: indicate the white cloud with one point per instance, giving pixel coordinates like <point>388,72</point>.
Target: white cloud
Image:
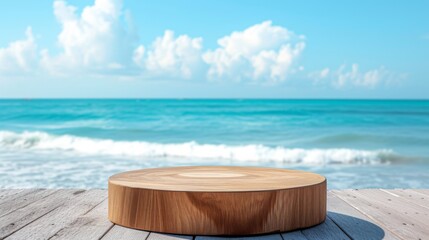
<point>372,78</point>
<point>94,41</point>
<point>319,75</point>
<point>99,41</point>
<point>352,76</point>
<point>138,56</point>
<point>179,57</point>
<point>260,52</point>
<point>368,79</point>
<point>20,56</point>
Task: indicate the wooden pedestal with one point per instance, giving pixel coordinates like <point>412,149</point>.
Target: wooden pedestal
<point>217,200</point>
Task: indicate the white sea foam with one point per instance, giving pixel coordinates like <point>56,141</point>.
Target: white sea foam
<point>191,150</point>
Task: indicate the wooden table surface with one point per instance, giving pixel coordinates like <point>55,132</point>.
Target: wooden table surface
<point>216,179</point>
<point>82,214</point>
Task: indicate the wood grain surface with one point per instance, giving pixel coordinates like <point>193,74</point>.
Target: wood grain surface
<point>217,200</point>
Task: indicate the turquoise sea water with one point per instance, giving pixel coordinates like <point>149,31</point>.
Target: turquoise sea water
<point>79,143</point>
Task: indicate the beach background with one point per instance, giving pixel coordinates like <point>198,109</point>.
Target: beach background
<point>79,143</point>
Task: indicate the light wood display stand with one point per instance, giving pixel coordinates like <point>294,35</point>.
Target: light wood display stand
<point>217,200</point>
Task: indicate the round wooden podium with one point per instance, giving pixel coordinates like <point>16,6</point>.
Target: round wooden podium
<point>217,200</point>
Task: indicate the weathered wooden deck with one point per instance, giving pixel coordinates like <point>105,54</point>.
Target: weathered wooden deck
<point>82,214</point>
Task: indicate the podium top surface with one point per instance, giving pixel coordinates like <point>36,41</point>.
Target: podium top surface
<point>216,179</point>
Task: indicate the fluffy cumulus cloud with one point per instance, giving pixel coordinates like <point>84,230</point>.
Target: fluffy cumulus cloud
<point>100,40</point>
<point>262,52</point>
<point>20,56</point>
<point>353,76</point>
<point>171,56</point>
<point>96,40</point>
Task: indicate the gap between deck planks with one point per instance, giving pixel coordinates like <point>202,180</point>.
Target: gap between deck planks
<point>82,214</point>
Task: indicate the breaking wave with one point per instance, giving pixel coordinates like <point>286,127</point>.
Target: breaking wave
<point>192,150</point>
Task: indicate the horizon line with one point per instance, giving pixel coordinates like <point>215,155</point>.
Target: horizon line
<point>215,98</point>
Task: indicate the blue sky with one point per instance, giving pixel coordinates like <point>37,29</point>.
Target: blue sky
<point>214,49</point>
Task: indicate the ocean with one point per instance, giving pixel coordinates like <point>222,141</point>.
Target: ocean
<point>80,143</point>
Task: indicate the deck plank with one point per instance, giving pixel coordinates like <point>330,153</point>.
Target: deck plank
<point>118,232</point>
<point>423,191</point>
<point>399,216</point>
<point>12,195</point>
<point>18,219</point>
<point>411,196</point>
<point>259,237</point>
<point>355,223</point>
<point>24,200</point>
<point>295,235</point>
<point>62,216</point>
<point>162,236</point>
<point>7,192</point>
<point>92,225</point>
<point>326,230</point>
<point>399,203</point>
